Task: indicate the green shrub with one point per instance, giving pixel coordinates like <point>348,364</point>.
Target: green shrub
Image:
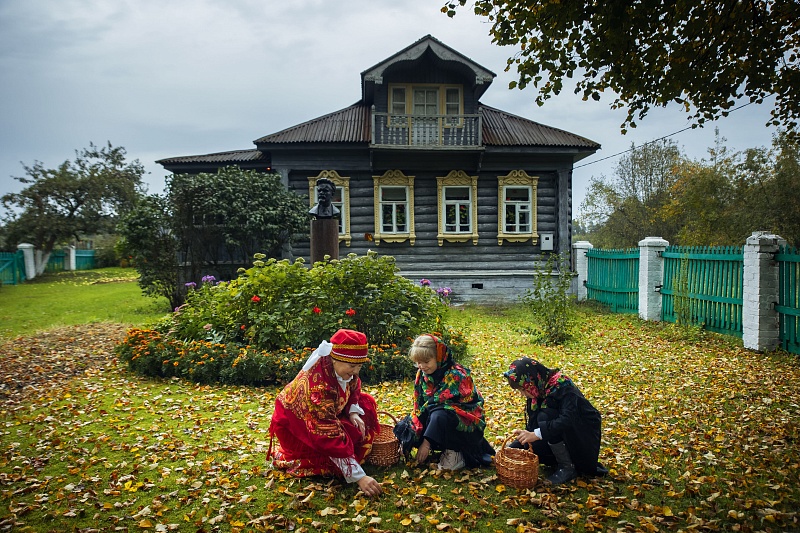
<point>261,327</point>
<point>551,303</point>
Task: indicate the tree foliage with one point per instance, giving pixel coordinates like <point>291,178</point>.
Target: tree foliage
<point>704,56</point>
<point>146,236</point>
<point>79,198</point>
<point>208,223</point>
<point>232,215</point>
<point>696,203</point>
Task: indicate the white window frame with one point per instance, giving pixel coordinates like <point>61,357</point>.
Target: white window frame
<point>516,179</point>
<point>343,190</point>
<point>458,178</point>
<point>393,178</point>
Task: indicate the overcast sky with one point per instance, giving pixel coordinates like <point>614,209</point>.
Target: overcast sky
<point>167,78</point>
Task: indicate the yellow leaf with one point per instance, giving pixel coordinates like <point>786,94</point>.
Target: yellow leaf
<point>668,511</point>
<point>406,521</point>
<point>145,523</point>
<point>612,513</point>
<point>500,488</point>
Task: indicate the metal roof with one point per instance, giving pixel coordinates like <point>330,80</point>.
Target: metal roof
<point>504,129</point>
<point>348,125</point>
<point>234,156</point>
<point>352,125</point>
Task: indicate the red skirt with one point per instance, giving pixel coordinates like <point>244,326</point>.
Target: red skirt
<point>295,453</point>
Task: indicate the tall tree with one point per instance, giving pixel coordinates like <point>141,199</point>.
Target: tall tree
<point>210,222</point>
<point>704,56</point>
<point>79,198</point>
<point>624,209</point>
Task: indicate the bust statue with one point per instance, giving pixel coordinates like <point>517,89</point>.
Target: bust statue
<point>326,189</point>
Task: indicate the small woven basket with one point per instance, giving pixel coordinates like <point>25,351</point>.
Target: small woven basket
<point>517,467</point>
<point>385,447</point>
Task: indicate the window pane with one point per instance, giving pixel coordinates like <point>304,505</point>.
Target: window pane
<point>517,194</point>
<point>456,193</point>
<point>393,194</point>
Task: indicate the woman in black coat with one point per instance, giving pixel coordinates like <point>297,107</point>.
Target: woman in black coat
<point>562,427</point>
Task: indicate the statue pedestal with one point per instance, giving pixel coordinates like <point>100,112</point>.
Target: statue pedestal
<point>324,239</point>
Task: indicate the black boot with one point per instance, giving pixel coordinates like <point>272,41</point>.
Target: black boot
<point>565,471</point>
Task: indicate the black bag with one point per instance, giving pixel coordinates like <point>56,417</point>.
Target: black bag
<point>405,433</point>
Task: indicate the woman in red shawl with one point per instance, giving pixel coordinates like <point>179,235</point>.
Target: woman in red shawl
<point>448,408</point>
<point>324,424</point>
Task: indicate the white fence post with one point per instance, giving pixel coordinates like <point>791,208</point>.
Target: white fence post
<point>579,250</point>
<point>70,261</point>
<point>651,277</point>
<point>760,321</point>
<point>30,264</point>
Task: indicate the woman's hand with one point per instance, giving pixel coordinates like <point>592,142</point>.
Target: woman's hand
<point>355,418</point>
<point>369,486</point>
<point>423,451</point>
<point>525,437</point>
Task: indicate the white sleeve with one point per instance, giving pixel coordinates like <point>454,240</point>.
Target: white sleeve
<point>538,432</point>
<point>350,468</point>
<point>355,408</point>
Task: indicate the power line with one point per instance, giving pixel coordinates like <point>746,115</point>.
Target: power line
<point>651,142</point>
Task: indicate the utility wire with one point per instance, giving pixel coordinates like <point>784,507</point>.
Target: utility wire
<point>651,142</point>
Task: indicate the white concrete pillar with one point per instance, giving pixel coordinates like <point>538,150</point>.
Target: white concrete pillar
<point>30,264</point>
<point>760,322</point>
<point>71,261</point>
<point>579,250</point>
<point>651,277</point>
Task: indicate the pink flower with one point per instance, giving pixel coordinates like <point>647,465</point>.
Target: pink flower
<point>350,312</point>
<point>255,299</point>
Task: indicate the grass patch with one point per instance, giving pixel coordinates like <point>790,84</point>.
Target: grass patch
<point>81,297</point>
<point>699,434</point>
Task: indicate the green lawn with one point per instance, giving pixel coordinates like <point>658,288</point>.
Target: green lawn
<point>698,433</point>
<point>82,297</point>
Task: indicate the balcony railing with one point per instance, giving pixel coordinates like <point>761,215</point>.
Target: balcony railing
<point>426,131</point>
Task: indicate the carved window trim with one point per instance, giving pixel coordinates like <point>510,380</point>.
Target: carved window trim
<point>516,178</point>
<point>343,184</point>
<point>457,178</point>
<point>393,178</point>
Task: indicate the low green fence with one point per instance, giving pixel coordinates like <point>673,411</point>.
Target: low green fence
<point>12,267</point>
<point>789,298</point>
<point>613,278</point>
<point>703,285</point>
<point>84,259</point>
<point>56,262</point>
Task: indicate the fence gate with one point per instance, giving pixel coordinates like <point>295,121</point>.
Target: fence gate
<point>703,285</point>
<point>12,267</point>
<point>789,298</point>
<point>613,278</point>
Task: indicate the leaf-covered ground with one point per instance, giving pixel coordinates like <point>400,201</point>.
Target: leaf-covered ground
<point>699,435</point>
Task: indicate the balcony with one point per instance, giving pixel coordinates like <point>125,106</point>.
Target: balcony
<point>426,131</point>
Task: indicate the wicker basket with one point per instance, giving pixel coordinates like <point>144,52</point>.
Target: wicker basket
<point>517,467</point>
<point>385,447</point>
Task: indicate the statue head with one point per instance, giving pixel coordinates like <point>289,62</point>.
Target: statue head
<point>326,190</point>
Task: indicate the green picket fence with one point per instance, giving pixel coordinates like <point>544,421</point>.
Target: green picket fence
<point>12,268</point>
<point>789,298</point>
<point>703,285</point>
<point>84,259</point>
<point>613,278</point>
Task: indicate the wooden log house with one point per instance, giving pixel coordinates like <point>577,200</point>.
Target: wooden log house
<point>460,193</point>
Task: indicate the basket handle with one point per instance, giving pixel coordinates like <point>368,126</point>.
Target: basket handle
<point>529,449</point>
<point>389,415</point>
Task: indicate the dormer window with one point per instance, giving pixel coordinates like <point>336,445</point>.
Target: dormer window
<point>426,100</point>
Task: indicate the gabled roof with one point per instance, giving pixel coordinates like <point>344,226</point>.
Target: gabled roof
<point>374,74</point>
<point>352,125</point>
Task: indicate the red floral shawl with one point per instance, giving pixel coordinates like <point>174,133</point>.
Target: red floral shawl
<point>313,404</point>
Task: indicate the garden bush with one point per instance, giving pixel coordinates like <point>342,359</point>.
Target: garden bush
<point>261,327</point>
